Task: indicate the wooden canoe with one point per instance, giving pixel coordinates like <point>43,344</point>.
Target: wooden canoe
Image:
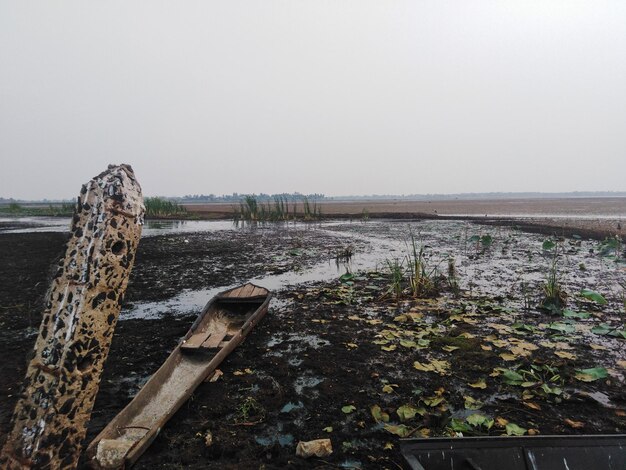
<point>221,327</point>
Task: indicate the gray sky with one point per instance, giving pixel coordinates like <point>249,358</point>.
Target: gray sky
<point>337,97</point>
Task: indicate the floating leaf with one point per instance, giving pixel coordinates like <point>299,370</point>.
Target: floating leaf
<point>477,420</point>
<point>565,355</point>
<point>513,429</point>
<point>472,403</point>
<point>328,429</point>
<point>379,415</point>
<point>441,367</point>
<point>508,356</point>
<point>594,296</point>
<point>512,378</point>
<point>406,412</point>
<point>486,240</point>
<point>601,329</point>
<point>346,277</point>
<point>399,430</point>
<point>391,347</point>
<point>501,422</point>
<point>528,384</point>
<point>351,345</point>
<point>433,401</point>
<point>459,425</point>
<point>424,432</point>
<point>408,343</point>
<point>466,335</point>
<point>480,383</point>
<point>523,327</point>
<point>348,409</point>
<point>551,390</point>
<point>574,424</point>
<point>388,388</point>
<point>450,348</point>
<point>591,375</point>
<point>571,314</point>
<point>531,405</point>
<point>388,446</point>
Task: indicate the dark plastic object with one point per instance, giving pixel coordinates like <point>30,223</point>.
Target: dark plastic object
<point>603,452</point>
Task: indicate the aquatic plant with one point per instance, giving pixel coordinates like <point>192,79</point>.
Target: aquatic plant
<point>343,255</point>
<point>14,208</point>
<point>525,294</point>
<point>453,277</point>
<point>311,210</point>
<point>251,210</point>
<point>424,281</point>
<point>250,411</point>
<point>159,207</point>
<point>396,270</point>
<point>611,247</point>
<point>554,296</point>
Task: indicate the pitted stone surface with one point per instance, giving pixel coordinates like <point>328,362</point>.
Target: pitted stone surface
<point>81,311</point>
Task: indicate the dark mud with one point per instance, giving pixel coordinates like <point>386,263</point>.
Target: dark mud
<point>329,346</point>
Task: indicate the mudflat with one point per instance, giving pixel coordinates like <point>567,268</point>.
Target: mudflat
<point>600,215</point>
<point>348,350</point>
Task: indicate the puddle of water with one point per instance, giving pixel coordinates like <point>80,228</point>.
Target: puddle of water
<point>355,464</point>
<point>313,341</point>
<point>275,435</point>
<point>194,300</point>
<point>514,262</point>
<point>38,224</point>
<point>303,382</point>
<point>289,407</point>
<point>598,397</point>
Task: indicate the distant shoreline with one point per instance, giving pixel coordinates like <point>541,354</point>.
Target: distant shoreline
<point>595,217</point>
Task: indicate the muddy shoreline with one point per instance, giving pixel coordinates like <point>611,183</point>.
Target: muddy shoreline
<point>321,346</point>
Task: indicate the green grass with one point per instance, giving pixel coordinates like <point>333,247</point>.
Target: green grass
<point>52,210</point>
<point>158,207</point>
<point>396,271</point>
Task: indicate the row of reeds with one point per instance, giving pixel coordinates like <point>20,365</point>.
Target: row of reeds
<point>279,210</point>
<point>159,207</point>
<point>52,210</point>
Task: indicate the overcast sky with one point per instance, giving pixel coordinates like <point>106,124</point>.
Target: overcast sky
<point>336,97</point>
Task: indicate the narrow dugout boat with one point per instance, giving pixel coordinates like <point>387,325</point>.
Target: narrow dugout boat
<point>223,324</point>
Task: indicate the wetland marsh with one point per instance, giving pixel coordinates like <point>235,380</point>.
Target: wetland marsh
<point>347,350</point>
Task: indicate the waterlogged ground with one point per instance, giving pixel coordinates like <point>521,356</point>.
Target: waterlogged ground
<point>340,356</point>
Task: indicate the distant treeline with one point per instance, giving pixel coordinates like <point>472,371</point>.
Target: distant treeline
<point>236,197</point>
<point>295,197</point>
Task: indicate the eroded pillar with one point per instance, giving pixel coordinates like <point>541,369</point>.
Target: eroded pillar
<point>81,311</point>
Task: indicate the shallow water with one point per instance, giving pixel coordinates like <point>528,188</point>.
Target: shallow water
<point>514,261</point>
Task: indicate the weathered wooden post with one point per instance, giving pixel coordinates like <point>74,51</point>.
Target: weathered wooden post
<point>81,312</point>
